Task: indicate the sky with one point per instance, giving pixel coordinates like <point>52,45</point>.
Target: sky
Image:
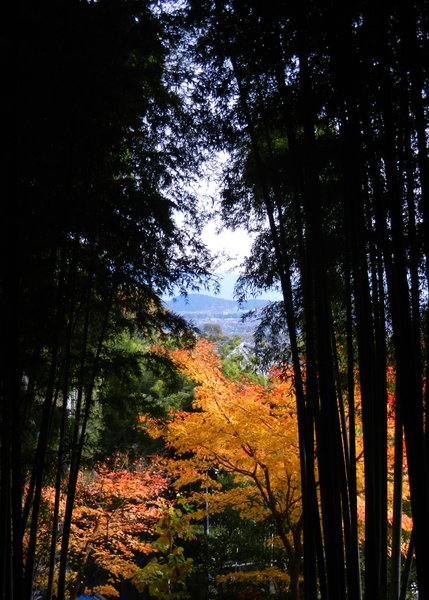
<point>233,244</point>
<point>236,245</point>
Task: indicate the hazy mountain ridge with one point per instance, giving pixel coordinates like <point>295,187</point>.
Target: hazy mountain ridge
<point>202,303</point>
<point>202,309</point>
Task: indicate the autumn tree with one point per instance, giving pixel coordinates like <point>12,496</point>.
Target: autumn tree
<point>117,505</point>
<point>249,430</point>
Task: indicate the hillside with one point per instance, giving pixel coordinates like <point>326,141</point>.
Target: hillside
<point>201,309</point>
<point>194,303</point>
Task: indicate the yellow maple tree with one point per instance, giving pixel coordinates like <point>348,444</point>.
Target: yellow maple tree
<point>247,429</point>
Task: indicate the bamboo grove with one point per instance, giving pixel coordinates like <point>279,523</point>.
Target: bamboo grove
<point>88,245</point>
<point>323,107</point>
<point>322,110</point>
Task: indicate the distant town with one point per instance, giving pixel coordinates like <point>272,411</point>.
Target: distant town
<point>202,310</point>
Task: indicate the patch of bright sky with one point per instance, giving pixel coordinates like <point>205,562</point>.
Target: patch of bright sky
<point>230,248</point>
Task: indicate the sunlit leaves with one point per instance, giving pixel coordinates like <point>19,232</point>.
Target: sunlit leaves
<point>243,427</point>
<point>117,506</point>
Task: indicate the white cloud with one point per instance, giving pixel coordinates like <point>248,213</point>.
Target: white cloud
<point>232,246</point>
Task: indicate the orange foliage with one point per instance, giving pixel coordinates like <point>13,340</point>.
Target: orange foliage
<point>116,508</point>
<point>242,427</point>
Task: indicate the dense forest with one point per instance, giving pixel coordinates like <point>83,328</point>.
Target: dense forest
<point>142,458</point>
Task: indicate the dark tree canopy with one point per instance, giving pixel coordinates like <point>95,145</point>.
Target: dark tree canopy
<point>98,152</point>
<point>322,107</point>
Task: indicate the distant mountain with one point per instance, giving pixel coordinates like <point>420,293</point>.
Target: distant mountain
<point>227,283</point>
<point>201,303</point>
